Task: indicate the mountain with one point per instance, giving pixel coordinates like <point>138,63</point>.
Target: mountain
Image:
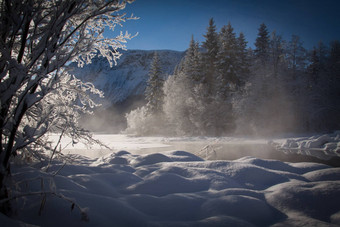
<point>123,85</point>
<point>128,78</point>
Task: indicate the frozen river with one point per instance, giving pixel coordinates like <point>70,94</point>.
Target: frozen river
<point>209,148</point>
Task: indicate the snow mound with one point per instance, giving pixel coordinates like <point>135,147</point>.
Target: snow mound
<point>311,200</point>
<point>150,159</point>
<point>183,156</point>
<point>323,146</point>
<point>175,188</point>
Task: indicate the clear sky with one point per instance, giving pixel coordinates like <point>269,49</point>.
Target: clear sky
<point>169,24</point>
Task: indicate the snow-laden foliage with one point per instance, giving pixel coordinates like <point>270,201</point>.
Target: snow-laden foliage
<point>141,122</point>
<point>37,94</point>
<point>179,104</point>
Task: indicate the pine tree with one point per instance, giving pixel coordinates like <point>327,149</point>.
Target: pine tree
<point>243,60</point>
<point>219,116</point>
<point>334,59</point>
<point>334,84</point>
<point>227,64</point>
<point>322,52</point>
<point>262,45</point>
<point>314,67</point>
<point>296,55</point>
<point>191,66</point>
<point>317,58</point>
<point>154,90</point>
<point>276,53</point>
<point>210,55</point>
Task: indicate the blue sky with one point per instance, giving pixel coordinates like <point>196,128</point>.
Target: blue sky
<point>169,24</point>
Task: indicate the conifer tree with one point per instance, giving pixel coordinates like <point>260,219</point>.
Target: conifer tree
<point>276,53</point>
<point>154,90</point>
<point>226,64</point>
<point>334,59</point>
<point>296,55</point>
<point>334,84</point>
<point>313,68</point>
<point>210,54</point>
<point>192,63</point>
<point>243,60</point>
<point>262,45</point>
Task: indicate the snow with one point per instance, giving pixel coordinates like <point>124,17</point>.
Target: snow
<point>119,187</point>
<point>129,76</point>
<point>323,146</point>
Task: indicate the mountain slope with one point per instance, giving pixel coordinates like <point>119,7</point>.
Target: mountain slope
<point>128,78</point>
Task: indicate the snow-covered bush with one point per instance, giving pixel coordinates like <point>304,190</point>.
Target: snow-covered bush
<point>141,122</point>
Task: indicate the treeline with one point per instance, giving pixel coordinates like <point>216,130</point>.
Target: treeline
<point>222,87</point>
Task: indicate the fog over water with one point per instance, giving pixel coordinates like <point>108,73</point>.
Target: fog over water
<point>208,148</point>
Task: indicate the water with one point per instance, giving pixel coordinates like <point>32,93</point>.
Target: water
<point>206,148</point>
<point>232,151</point>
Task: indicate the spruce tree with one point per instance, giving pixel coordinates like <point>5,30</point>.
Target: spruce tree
<point>334,59</point>
<point>313,68</point>
<point>227,64</point>
<point>154,90</point>
<point>322,51</point>
<point>262,45</point>
<point>334,82</point>
<point>242,55</point>
<point>296,55</point>
<point>276,53</point>
<point>191,66</point>
<point>210,55</point>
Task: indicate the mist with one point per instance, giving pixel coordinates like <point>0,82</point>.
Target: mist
<point>110,118</point>
<point>276,90</point>
<point>223,88</point>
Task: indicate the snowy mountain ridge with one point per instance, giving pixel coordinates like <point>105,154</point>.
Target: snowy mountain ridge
<point>129,76</point>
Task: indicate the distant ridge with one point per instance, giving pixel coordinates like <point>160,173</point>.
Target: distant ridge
<point>128,78</point>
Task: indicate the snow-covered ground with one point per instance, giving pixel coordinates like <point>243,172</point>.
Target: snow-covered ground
<point>174,188</point>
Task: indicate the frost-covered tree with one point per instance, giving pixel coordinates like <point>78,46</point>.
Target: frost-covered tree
<point>37,94</point>
<point>154,90</point>
<point>186,95</point>
<point>178,102</point>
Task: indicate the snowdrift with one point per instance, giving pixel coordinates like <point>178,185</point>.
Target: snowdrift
<point>324,146</point>
<point>175,188</point>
